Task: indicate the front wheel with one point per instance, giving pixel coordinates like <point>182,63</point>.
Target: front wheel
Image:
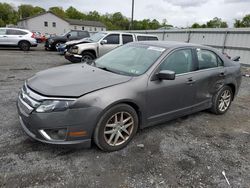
<point>87,56</point>
<point>222,100</point>
<point>116,128</point>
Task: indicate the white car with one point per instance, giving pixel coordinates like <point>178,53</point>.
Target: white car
<point>14,37</point>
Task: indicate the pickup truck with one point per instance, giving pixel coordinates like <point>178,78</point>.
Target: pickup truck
<point>101,43</point>
<point>53,42</point>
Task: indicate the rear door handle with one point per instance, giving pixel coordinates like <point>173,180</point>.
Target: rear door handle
<point>222,74</point>
<point>190,81</point>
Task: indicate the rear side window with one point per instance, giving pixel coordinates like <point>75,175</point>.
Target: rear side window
<point>208,59</point>
<point>112,39</point>
<point>152,38</point>
<point>15,32</point>
<point>127,38</point>
<point>2,31</point>
<point>141,38</point>
<point>180,61</point>
<point>144,38</point>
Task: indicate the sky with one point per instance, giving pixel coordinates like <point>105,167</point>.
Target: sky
<point>180,13</point>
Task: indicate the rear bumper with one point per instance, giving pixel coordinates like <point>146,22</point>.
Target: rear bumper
<point>74,58</point>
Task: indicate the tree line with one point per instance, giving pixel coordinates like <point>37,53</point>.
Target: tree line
<point>10,14</point>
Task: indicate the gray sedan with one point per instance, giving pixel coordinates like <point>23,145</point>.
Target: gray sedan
<point>134,86</point>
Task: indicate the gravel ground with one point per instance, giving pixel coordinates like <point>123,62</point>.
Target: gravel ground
<point>187,152</point>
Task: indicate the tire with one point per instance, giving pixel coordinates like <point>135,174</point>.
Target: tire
<point>110,134</point>
<point>222,100</point>
<point>24,45</point>
<point>57,45</point>
<point>87,56</point>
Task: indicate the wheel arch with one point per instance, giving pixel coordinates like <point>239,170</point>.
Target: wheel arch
<point>23,41</point>
<point>127,102</point>
<point>233,88</point>
<point>92,51</point>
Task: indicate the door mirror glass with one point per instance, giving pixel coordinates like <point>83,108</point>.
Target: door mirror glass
<point>68,35</point>
<point>104,42</point>
<point>166,75</point>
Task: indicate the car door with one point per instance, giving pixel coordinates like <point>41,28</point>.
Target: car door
<point>167,99</point>
<point>3,37</point>
<point>109,43</point>
<point>209,77</point>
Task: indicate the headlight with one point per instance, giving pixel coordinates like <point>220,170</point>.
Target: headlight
<point>53,105</point>
<point>74,50</point>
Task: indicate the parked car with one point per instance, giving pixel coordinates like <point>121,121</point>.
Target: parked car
<point>39,37</point>
<point>53,42</point>
<point>14,37</point>
<point>63,48</point>
<point>134,86</point>
<point>101,43</point>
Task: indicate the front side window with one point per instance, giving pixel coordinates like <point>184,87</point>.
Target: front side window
<point>112,39</point>
<point>130,59</point>
<point>73,34</point>
<point>127,38</point>
<point>45,24</point>
<point>208,59</point>
<point>180,62</point>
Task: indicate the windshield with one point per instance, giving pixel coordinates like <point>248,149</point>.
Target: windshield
<point>132,59</point>
<point>96,37</point>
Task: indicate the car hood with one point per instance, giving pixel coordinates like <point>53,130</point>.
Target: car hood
<point>85,40</point>
<point>73,80</point>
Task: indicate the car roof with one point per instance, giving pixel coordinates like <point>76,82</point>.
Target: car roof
<point>15,29</point>
<point>169,44</point>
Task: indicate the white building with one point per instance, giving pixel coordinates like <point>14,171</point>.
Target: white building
<point>50,23</point>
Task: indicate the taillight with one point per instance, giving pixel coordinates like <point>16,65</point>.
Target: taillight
<point>33,35</point>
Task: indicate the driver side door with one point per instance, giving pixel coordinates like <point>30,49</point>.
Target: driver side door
<point>113,41</point>
<point>167,99</point>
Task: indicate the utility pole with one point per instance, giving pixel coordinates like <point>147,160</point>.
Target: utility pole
<point>132,19</point>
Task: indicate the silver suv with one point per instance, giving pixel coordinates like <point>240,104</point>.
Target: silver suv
<point>14,37</point>
<point>101,43</point>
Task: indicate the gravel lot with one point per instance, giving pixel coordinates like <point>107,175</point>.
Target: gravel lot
<point>187,152</point>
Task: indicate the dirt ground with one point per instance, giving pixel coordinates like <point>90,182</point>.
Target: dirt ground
<point>187,152</point>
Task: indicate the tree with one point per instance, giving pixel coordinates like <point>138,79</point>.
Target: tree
<point>25,11</point>
<point>73,13</point>
<point>58,11</point>
<point>246,21</point>
<point>93,16</point>
<point>216,23</point>
<point>196,25</point>
<point>8,14</point>
<point>237,23</point>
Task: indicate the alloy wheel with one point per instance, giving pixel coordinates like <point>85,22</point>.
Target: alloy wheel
<point>118,128</point>
<point>225,100</point>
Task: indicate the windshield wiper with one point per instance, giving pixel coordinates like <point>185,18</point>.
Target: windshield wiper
<point>107,69</point>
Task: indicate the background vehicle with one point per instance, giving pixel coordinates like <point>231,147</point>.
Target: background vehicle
<point>39,37</point>
<point>63,48</point>
<point>53,42</point>
<point>134,86</point>
<point>101,43</point>
<point>15,37</point>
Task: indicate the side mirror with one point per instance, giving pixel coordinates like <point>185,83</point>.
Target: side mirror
<point>237,58</point>
<point>166,75</point>
<point>104,42</point>
<point>68,35</point>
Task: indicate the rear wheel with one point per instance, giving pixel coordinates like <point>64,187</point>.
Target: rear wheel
<point>87,56</point>
<point>222,100</point>
<point>24,45</point>
<point>116,128</point>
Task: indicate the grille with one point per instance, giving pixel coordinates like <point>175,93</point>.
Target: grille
<point>28,100</point>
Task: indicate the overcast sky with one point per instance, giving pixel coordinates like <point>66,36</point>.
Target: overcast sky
<point>179,13</point>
